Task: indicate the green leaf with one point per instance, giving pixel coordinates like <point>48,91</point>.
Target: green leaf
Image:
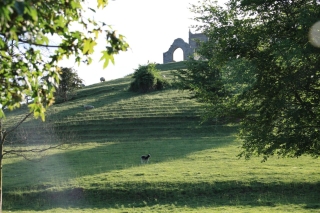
<point>96,32</point>
<point>75,5</point>
<point>2,115</point>
<point>88,46</point>
<point>102,3</point>
<point>106,62</point>
<point>106,57</point>
<point>32,12</point>
<point>89,61</point>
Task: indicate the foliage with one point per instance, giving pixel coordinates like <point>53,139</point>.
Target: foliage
<point>267,71</point>
<point>199,77</point>
<point>69,83</point>
<point>26,27</point>
<point>147,78</point>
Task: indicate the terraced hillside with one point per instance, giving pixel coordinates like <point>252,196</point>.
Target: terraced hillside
<point>120,115</point>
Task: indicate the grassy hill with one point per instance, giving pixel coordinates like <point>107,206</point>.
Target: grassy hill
<point>122,115</point>
<point>193,165</point>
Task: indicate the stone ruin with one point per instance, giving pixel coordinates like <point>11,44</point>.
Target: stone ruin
<point>187,48</point>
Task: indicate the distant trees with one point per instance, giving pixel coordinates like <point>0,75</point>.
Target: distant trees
<point>69,83</point>
<point>260,66</point>
<point>147,78</point>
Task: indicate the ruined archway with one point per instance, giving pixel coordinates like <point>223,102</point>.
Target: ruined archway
<point>187,48</point>
<point>177,43</point>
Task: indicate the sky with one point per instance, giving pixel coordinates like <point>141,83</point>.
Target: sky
<point>150,27</point>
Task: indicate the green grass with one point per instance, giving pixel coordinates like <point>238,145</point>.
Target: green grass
<point>193,166</point>
<point>183,175</point>
<point>171,66</point>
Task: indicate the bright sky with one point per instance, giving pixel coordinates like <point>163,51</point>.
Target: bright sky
<point>150,27</point>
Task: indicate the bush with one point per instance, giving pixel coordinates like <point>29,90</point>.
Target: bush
<point>147,79</point>
<point>69,84</point>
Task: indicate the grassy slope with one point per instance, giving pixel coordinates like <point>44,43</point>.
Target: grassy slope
<point>193,167</point>
<point>120,115</point>
<point>171,66</point>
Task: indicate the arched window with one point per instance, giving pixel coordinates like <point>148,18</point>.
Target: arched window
<point>178,55</point>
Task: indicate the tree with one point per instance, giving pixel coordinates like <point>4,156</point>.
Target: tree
<point>267,73</point>
<point>199,78</point>
<point>147,78</point>
<point>69,83</point>
<point>26,27</point>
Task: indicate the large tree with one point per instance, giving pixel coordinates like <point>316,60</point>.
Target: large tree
<point>264,70</point>
<point>29,26</point>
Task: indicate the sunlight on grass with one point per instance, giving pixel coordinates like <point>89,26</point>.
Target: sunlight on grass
<point>209,169</point>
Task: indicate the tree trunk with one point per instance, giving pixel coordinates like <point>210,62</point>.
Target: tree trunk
<point>1,157</point>
<point>2,138</point>
<point>3,135</point>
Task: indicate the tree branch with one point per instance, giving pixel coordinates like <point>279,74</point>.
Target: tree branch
<point>18,124</point>
<point>303,104</point>
<point>21,153</point>
<point>39,45</point>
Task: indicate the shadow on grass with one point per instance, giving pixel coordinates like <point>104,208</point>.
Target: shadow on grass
<point>28,185</point>
<point>133,195</point>
<point>104,158</point>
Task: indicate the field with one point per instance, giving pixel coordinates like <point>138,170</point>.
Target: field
<point>193,166</point>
